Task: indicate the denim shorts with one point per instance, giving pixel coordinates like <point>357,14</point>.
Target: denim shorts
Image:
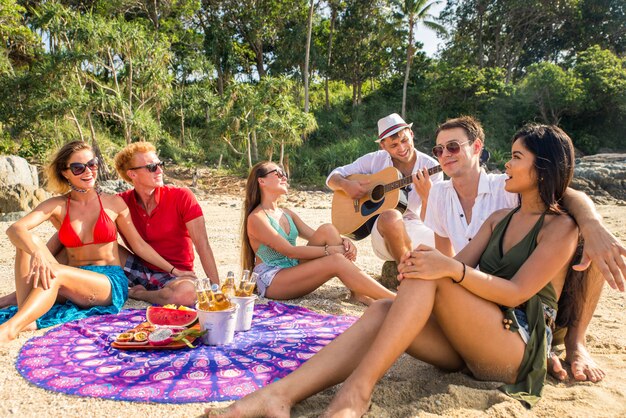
<point>524,330</point>
<point>265,276</point>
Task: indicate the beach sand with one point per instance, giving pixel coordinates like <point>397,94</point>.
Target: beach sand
<point>410,388</point>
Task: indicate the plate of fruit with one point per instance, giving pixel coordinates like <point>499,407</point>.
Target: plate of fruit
<point>167,328</point>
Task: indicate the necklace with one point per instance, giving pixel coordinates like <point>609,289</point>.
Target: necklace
<point>278,211</point>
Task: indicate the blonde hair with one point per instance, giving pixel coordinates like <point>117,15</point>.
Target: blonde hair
<point>125,156</point>
<point>57,183</point>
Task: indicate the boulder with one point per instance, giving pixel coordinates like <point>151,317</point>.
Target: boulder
<point>114,186</point>
<point>16,170</point>
<point>389,275</point>
<point>602,177</point>
<point>20,197</point>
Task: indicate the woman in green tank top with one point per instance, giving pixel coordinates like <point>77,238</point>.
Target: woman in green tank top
<point>456,317</point>
<point>287,270</point>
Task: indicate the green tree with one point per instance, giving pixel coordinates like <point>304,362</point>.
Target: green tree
<point>411,12</point>
<point>553,91</point>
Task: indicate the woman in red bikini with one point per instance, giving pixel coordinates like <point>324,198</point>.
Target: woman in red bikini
<point>92,282</point>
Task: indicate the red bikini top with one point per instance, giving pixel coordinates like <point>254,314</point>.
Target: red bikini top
<point>103,231</point>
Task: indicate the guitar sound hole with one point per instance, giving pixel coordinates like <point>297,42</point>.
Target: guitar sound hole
<point>378,192</point>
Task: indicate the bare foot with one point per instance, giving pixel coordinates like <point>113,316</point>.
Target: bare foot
<point>348,403</point>
<point>6,336</point>
<point>8,300</point>
<point>582,365</point>
<point>359,298</point>
<point>257,404</point>
<point>136,291</point>
<point>555,368</point>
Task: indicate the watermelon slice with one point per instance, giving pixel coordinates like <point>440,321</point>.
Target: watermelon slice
<point>166,317</point>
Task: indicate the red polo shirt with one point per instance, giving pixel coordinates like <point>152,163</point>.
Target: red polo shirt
<point>164,229</point>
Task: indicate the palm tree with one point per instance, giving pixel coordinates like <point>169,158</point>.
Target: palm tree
<point>413,12</point>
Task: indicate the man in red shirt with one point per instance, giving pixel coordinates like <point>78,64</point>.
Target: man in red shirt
<point>170,220</point>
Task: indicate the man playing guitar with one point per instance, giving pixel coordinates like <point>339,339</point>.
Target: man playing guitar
<point>393,233</point>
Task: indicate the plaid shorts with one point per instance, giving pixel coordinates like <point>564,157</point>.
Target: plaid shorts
<point>138,273</point>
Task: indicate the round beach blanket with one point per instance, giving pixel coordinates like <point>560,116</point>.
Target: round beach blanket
<point>77,358</point>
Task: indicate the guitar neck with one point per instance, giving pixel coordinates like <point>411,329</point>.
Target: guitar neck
<point>405,181</point>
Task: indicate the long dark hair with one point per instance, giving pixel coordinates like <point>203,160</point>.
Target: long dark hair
<point>554,166</point>
<point>554,161</point>
<point>251,201</point>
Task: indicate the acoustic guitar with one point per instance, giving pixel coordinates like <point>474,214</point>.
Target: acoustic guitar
<point>355,217</point>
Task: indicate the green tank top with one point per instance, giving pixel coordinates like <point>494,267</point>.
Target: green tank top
<point>272,257</point>
<point>532,373</point>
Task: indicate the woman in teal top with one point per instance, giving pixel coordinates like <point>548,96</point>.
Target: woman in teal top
<point>495,321</point>
<point>286,270</point>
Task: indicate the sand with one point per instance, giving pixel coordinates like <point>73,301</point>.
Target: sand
<point>410,388</point>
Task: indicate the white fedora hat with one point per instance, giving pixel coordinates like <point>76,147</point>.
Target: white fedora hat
<point>391,124</point>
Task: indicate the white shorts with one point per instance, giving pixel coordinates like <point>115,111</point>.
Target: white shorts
<point>415,228</point>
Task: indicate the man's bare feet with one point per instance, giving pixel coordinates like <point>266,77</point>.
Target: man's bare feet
<point>582,365</point>
<point>257,404</point>
<point>8,300</point>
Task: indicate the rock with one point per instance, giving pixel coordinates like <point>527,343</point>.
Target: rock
<point>602,177</point>
<point>114,186</point>
<point>12,216</point>
<point>20,197</point>
<point>16,170</point>
<point>389,275</point>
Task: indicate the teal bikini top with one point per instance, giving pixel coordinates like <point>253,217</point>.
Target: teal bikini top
<point>272,257</point>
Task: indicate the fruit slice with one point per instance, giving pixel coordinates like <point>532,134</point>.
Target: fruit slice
<point>162,336</point>
<point>141,336</point>
<point>124,337</point>
<point>167,317</point>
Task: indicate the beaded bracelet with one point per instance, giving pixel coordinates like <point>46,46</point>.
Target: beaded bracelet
<point>462,276</point>
<point>326,250</point>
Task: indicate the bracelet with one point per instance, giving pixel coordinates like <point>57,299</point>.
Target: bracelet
<point>172,270</point>
<point>326,250</point>
<point>462,276</point>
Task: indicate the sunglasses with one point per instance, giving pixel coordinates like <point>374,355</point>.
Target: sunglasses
<point>279,173</point>
<point>150,167</point>
<point>453,147</point>
<point>79,168</point>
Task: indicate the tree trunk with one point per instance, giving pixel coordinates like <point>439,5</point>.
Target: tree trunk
<point>258,54</point>
<point>354,97</point>
<point>220,81</point>
<point>182,114</point>
<point>80,130</point>
<point>255,146</point>
<point>333,17</point>
<point>282,152</point>
<point>409,58</point>
<point>103,169</point>
<point>481,13</point>
<point>249,152</point>
<point>306,58</point>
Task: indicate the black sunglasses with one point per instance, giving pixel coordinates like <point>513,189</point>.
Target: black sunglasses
<point>453,147</point>
<point>150,167</point>
<point>79,168</point>
<point>280,173</point>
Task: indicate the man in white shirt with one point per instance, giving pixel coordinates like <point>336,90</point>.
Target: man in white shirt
<point>458,207</point>
<point>393,233</point>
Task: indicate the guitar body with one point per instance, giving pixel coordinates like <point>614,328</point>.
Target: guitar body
<point>355,218</point>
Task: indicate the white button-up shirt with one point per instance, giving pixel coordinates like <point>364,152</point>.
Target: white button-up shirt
<point>445,216</point>
<point>376,161</point>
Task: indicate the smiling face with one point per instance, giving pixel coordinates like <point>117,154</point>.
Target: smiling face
<point>520,169</point>
<point>400,146</point>
<point>143,178</point>
<point>466,159</point>
<point>86,179</point>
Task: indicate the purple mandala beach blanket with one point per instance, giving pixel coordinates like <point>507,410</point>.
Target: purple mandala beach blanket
<point>76,358</point>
